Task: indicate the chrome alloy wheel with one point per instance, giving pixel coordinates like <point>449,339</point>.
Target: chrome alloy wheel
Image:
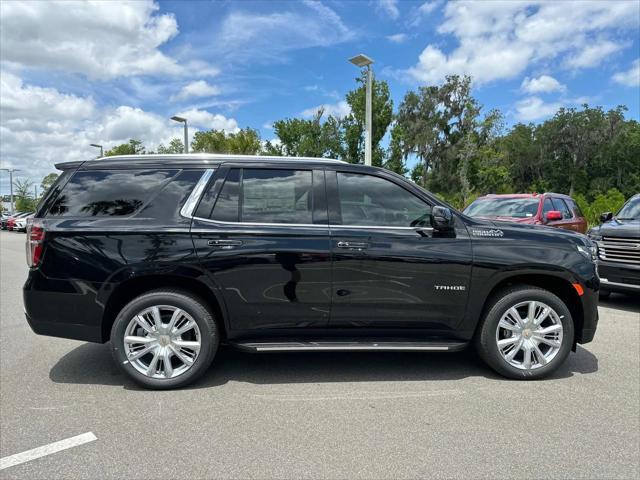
<point>162,341</point>
<point>529,335</point>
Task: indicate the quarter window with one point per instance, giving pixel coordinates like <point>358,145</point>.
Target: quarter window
<point>366,200</point>
<point>103,193</point>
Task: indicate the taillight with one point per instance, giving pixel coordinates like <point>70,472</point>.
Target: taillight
<point>35,240</point>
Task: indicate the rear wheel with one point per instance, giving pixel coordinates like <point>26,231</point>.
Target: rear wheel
<point>527,333</point>
<point>164,339</point>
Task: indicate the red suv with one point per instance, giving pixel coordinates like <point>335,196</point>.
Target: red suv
<point>551,209</point>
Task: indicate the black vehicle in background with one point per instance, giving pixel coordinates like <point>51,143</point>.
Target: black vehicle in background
<point>618,241</point>
<point>167,256</point>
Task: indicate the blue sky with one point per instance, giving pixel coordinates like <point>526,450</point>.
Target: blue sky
<point>79,73</point>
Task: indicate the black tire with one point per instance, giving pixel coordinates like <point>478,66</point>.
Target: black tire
<point>209,334</point>
<point>605,293</point>
<point>486,343</point>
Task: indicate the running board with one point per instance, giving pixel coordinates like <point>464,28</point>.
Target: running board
<point>336,345</point>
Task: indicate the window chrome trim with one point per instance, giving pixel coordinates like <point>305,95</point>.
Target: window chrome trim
<point>189,206</point>
<point>253,224</point>
<point>306,225</point>
<point>380,227</point>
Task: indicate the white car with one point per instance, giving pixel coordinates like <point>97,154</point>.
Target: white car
<point>21,223</point>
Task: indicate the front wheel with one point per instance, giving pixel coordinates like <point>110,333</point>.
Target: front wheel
<point>527,333</point>
<point>164,339</point>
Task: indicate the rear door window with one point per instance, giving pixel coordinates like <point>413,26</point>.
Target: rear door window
<point>266,195</point>
<point>106,193</point>
<point>575,208</point>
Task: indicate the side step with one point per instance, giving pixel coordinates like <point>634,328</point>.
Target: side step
<point>350,345</point>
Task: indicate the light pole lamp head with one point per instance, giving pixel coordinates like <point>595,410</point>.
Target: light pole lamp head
<point>361,60</point>
<point>179,119</point>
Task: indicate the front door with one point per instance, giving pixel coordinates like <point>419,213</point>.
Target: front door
<point>568,221</point>
<point>262,237</point>
<point>391,270</point>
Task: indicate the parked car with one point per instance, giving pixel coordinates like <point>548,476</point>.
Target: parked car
<point>167,256</point>
<point>4,218</point>
<point>20,223</point>
<point>618,241</point>
<point>11,222</point>
<point>551,209</point>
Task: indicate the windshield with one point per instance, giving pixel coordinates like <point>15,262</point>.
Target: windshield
<point>631,210</point>
<point>503,207</point>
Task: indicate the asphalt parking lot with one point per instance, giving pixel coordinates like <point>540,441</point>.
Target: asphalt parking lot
<point>318,415</point>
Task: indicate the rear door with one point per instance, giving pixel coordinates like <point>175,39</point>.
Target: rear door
<point>578,217</point>
<point>262,236</point>
<point>391,270</point>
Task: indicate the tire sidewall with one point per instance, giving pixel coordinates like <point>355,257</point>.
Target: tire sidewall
<point>489,347</point>
<point>208,335</point>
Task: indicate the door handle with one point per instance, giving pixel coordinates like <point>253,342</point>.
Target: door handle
<point>224,244</point>
<point>353,245</point>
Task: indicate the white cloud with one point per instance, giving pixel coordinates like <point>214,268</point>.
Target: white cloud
<point>199,88</point>
<point>389,7</point>
<point>266,37</point>
<point>534,108</point>
<point>397,38</point>
<point>542,84</point>
<point>339,110</point>
<point>631,77</point>
<point>98,39</point>
<point>207,120</point>
<point>423,11</point>
<point>43,126</point>
<point>592,55</point>
<point>429,7</point>
<point>500,39</point>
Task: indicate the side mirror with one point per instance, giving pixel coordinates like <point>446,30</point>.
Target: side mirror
<point>605,217</point>
<point>554,215</point>
<point>441,218</point>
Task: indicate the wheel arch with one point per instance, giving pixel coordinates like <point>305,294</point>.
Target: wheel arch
<point>559,286</point>
<point>136,286</point>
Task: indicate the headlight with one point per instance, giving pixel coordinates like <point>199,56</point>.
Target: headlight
<point>589,251</point>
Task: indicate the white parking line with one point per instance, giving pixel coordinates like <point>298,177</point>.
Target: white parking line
<point>45,450</point>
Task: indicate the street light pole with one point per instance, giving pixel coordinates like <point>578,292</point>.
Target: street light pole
<point>367,138</point>
<point>363,61</point>
<point>100,147</point>
<point>175,118</point>
<point>11,170</point>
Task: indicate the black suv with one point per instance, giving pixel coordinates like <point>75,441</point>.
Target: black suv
<point>618,241</point>
<point>167,256</point>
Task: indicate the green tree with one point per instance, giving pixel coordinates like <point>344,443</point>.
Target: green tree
<point>307,138</point>
<point>395,160</point>
<point>47,181</point>
<point>443,128</point>
<point>22,192</point>
<point>175,146</point>
<point>244,142</point>
<point>575,137</point>
<point>133,147</point>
